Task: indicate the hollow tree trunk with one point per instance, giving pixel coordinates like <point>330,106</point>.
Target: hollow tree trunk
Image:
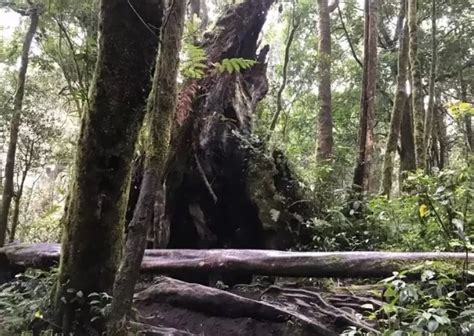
<point>361,179</point>
<point>221,189</point>
<point>93,225</point>
<point>397,113</point>
<point>416,89</point>
<point>7,195</point>
<point>162,109</point>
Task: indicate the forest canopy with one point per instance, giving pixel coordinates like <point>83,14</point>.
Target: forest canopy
<point>273,167</point>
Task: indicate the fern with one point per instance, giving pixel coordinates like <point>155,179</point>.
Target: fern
<point>194,64</point>
<point>231,65</point>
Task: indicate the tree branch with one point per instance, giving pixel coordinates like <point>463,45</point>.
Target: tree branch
<point>346,33</point>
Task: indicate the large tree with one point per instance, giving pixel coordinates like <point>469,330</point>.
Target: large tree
<point>93,223</point>
<point>161,109</point>
<point>325,124</point>
<point>362,171</point>
<point>33,12</point>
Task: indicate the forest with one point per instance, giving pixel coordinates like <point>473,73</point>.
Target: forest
<point>237,167</point>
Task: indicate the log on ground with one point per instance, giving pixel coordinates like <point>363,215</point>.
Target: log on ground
<point>255,262</point>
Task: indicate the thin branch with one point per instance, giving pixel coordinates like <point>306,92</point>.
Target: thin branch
<point>346,33</point>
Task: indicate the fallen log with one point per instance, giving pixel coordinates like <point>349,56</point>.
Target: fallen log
<point>255,262</point>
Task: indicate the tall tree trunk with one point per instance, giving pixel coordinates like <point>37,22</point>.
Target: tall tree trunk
<point>407,142</point>
<point>416,89</point>
<point>367,101</point>
<point>397,113</point>
<point>325,137</point>
<point>428,127</point>
<point>7,195</point>
<point>467,117</point>
<point>93,223</point>
<point>162,108</point>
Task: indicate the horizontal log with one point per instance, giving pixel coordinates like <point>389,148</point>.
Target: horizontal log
<point>257,262</point>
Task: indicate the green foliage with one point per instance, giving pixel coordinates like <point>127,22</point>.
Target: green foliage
<point>435,304</point>
<point>25,301</point>
<point>194,64</point>
<point>231,65</point>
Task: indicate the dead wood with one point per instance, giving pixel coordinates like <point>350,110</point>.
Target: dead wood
<point>254,262</point>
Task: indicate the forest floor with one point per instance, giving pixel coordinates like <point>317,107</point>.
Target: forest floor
<point>302,306</point>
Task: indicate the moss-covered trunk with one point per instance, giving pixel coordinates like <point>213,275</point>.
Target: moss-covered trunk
<point>93,225</point>
<point>416,85</point>
<point>161,108</point>
<point>7,195</point>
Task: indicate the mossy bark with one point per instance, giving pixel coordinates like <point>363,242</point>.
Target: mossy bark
<point>93,223</point>
<point>7,195</point>
<point>162,108</point>
<point>416,85</point>
<point>397,113</point>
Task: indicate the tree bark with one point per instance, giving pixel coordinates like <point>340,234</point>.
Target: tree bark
<point>18,195</point>
<point>199,8</point>
<point>428,125</point>
<point>467,117</point>
<point>93,225</point>
<point>7,194</point>
<point>407,142</point>
<point>162,109</point>
<point>361,181</point>
<point>258,262</point>
<point>397,113</point>
<point>325,137</point>
<point>220,184</point>
<point>416,88</point>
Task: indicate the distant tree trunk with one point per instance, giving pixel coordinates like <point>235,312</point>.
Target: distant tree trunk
<point>416,89</point>
<point>407,141</point>
<point>428,127</point>
<point>93,223</point>
<point>293,26</point>
<point>162,109</point>
<point>199,8</point>
<point>467,117</point>
<point>7,195</point>
<point>19,192</point>
<point>367,101</point>
<point>325,137</point>
<point>397,113</point>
